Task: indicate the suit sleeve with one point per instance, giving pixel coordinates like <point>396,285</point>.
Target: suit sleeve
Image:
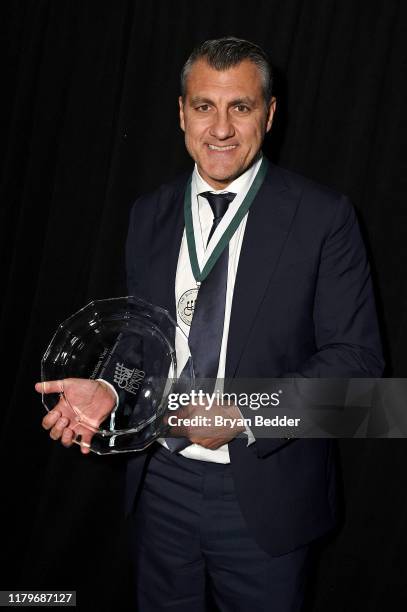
<point>345,320</point>
<point>346,330</point>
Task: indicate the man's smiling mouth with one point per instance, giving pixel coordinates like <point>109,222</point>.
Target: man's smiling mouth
<point>225,148</point>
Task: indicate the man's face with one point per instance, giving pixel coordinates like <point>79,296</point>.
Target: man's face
<point>225,119</point>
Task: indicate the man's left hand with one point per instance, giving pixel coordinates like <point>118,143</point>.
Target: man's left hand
<point>211,427</point>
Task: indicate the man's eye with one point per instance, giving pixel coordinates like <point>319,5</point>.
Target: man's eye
<point>203,108</point>
<point>242,108</point>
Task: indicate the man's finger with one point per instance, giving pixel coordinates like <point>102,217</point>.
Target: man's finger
<point>56,431</point>
<point>67,437</point>
<point>86,439</point>
<point>49,386</point>
<point>83,437</point>
<point>51,418</point>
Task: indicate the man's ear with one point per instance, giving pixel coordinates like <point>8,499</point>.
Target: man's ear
<point>270,113</point>
<point>181,113</point>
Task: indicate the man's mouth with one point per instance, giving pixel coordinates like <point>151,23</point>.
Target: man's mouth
<point>213,147</point>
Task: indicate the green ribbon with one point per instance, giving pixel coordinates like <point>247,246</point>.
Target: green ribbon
<point>230,230</point>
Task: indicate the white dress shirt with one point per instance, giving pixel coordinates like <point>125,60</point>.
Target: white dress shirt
<point>202,218</point>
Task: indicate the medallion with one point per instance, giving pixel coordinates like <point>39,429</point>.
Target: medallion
<point>186,305</point>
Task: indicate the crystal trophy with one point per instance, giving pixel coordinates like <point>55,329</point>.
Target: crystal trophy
<point>129,344</point>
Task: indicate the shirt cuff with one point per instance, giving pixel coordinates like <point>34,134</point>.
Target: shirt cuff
<point>250,437</point>
<point>112,388</point>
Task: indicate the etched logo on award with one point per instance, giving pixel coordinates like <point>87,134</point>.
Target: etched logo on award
<point>127,378</point>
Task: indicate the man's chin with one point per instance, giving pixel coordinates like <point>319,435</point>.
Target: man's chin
<point>224,173</point>
<point>223,176</point>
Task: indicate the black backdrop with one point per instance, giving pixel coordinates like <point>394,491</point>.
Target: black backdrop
<point>88,122</point>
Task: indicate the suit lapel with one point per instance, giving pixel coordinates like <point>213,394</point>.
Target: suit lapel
<point>165,247</point>
<point>268,224</point>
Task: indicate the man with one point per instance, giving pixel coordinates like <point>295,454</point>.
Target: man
<point>278,263</point>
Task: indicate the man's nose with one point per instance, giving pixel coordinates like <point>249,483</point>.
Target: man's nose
<point>222,126</point>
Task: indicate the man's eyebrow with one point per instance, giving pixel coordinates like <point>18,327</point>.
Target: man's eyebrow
<point>202,100</point>
<point>244,100</point>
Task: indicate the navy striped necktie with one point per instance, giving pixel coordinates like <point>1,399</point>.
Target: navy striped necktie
<point>219,203</point>
<point>206,333</point>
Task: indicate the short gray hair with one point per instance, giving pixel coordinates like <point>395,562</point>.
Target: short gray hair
<point>223,53</point>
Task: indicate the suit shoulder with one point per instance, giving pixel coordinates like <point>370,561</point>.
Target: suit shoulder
<point>315,198</point>
<point>306,185</point>
<point>165,192</point>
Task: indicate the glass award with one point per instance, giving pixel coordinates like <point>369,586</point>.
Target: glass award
<point>129,344</point>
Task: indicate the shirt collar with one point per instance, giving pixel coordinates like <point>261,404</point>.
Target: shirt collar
<point>202,213</point>
<point>239,185</point>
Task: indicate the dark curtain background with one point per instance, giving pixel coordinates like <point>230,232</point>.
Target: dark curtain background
<point>88,122</point>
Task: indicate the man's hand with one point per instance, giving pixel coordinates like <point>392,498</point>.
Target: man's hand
<point>210,428</point>
<point>82,406</point>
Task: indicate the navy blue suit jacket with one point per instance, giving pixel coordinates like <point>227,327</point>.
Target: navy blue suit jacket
<point>303,305</point>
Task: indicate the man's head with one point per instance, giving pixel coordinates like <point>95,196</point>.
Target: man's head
<point>226,107</point>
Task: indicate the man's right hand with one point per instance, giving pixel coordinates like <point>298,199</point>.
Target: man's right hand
<point>83,405</point>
